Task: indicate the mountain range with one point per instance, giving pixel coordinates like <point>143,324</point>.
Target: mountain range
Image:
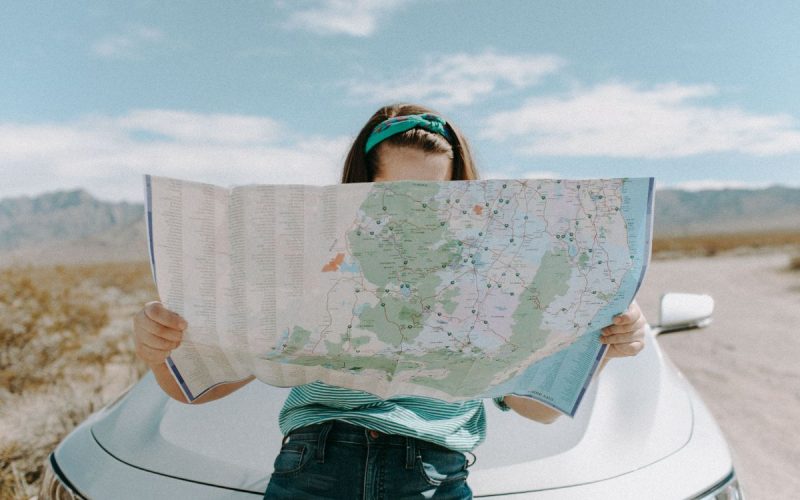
<point>70,227</point>
<point>75,227</point>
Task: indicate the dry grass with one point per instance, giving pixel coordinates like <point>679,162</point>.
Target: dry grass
<point>713,244</point>
<point>65,351</point>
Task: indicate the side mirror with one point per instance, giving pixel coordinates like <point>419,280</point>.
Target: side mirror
<point>684,311</point>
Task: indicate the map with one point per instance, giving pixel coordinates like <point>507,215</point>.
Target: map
<point>454,290</point>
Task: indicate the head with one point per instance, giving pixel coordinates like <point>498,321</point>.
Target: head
<point>416,154</point>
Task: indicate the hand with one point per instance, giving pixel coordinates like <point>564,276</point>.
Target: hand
<point>625,337</point>
<point>156,332</point>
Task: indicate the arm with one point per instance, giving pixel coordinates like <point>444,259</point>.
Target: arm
<point>156,332</point>
<point>532,409</point>
<point>168,384</point>
<point>625,337</point>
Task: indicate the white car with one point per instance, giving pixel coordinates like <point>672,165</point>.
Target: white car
<point>641,432</point>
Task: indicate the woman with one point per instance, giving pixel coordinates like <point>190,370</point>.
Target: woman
<point>341,443</point>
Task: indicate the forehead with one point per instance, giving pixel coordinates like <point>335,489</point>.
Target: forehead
<point>403,163</point>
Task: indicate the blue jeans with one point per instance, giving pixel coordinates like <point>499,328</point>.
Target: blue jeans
<point>338,460</point>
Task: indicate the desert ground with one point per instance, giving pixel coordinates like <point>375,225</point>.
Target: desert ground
<point>66,350</point>
<point>745,364</point>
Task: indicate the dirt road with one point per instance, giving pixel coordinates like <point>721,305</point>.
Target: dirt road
<point>746,365</point>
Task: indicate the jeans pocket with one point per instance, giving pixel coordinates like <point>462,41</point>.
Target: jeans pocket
<point>438,466</point>
<point>292,458</point>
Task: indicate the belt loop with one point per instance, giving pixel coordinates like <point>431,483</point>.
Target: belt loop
<point>323,437</point>
<point>411,454</point>
<point>474,459</point>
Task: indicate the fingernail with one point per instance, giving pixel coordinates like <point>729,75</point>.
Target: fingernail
<point>183,324</point>
<point>617,320</point>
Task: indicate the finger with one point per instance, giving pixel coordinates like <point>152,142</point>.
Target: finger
<point>153,328</point>
<point>158,343</point>
<point>623,350</point>
<point>625,328</point>
<point>631,315</point>
<point>160,314</point>
<point>623,338</point>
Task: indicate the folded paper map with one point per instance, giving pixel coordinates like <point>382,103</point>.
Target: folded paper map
<point>454,290</point>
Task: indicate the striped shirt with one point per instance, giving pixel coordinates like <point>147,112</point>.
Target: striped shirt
<point>460,426</point>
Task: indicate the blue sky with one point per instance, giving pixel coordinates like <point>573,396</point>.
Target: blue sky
<point>698,94</point>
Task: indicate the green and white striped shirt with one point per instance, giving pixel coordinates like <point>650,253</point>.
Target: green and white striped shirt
<point>460,426</point>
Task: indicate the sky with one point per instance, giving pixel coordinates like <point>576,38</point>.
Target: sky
<point>698,94</point>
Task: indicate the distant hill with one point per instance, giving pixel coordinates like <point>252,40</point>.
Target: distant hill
<point>68,227</point>
<point>75,227</point>
<point>686,213</point>
<point>63,215</point>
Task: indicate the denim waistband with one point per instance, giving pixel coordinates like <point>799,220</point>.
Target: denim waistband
<point>340,431</point>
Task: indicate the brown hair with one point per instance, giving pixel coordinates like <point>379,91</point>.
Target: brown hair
<point>361,167</point>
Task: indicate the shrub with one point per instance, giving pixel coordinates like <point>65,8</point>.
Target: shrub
<point>65,351</point>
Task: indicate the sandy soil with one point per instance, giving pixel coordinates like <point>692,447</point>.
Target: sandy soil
<point>746,365</point>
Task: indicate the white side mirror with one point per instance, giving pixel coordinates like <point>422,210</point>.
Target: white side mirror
<point>684,311</point>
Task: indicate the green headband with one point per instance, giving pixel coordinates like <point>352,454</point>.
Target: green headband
<point>399,124</point>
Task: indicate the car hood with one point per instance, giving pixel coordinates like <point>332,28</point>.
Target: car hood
<point>636,413</point>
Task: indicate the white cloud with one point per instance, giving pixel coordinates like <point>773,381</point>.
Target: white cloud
<point>108,155</point>
<point>128,44</point>
<point>714,185</point>
<point>624,120</point>
<point>458,79</point>
<point>358,18</point>
<point>192,127</point>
